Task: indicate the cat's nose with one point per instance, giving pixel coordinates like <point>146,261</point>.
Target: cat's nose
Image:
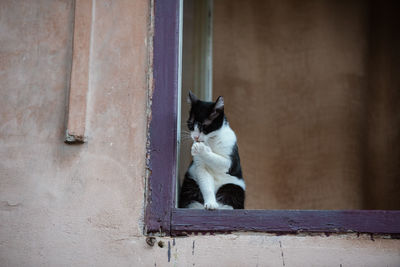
<point>196,138</point>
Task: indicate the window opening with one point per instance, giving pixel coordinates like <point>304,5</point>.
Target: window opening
<point>301,86</point>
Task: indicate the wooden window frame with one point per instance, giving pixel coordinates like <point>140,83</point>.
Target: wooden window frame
<point>162,217</point>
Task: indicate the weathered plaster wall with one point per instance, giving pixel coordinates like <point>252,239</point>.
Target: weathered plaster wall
<point>82,205</point>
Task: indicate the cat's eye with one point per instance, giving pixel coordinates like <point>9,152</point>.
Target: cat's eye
<point>207,122</point>
<point>190,125</point>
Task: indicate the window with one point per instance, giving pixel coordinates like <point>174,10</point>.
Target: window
<point>161,214</point>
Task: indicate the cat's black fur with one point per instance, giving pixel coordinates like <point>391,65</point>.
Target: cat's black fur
<point>200,112</point>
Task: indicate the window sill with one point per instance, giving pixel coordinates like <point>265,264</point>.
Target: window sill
<point>186,221</point>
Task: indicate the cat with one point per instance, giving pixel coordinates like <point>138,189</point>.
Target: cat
<point>214,178</point>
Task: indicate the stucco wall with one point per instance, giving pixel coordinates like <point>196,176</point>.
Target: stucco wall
<point>82,205</point>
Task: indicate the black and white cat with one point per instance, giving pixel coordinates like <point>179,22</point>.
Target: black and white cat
<point>214,179</point>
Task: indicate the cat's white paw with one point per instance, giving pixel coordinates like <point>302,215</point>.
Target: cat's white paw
<point>199,148</point>
<point>225,207</point>
<point>211,205</point>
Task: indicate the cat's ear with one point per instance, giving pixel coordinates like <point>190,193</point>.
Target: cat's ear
<point>219,104</point>
<point>192,98</point>
<point>218,108</point>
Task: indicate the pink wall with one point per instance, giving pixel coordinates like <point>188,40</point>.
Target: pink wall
<point>82,205</point>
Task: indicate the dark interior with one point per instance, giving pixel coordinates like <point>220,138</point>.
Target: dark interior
<point>312,90</point>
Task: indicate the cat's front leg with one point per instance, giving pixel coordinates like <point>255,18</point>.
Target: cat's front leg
<point>206,185</point>
<point>199,148</point>
<point>203,178</point>
<point>212,160</point>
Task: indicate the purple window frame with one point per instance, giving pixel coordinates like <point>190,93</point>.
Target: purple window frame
<point>161,216</point>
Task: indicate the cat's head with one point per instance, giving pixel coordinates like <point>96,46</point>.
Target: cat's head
<point>204,117</point>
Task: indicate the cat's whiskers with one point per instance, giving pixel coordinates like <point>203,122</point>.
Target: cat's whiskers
<point>186,140</point>
<point>186,135</point>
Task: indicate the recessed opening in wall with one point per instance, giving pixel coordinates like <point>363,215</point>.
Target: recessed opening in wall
<point>311,89</point>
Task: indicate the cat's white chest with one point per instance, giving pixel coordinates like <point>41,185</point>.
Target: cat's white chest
<point>212,160</point>
<point>222,178</point>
